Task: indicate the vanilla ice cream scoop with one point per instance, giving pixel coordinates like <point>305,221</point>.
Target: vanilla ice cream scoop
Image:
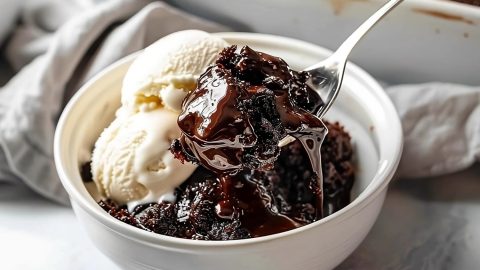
<point>167,70</point>
<point>131,160</point>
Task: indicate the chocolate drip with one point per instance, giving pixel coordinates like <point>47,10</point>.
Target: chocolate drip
<point>246,199</point>
<point>311,140</point>
<point>242,107</point>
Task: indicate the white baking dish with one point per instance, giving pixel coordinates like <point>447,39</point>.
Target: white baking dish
<point>420,41</point>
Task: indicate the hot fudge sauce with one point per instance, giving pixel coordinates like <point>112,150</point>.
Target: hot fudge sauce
<point>233,122</point>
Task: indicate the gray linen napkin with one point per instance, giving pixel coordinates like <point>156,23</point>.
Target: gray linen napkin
<point>441,126</point>
<point>441,121</point>
<point>57,63</point>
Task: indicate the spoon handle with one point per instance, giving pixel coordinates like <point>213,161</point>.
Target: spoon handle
<point>328,74</point>
<point>347,46</point>
<point>330,71</point>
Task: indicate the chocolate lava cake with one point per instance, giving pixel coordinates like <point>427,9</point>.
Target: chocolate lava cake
<point>193,214</point>
<point>247,185</point>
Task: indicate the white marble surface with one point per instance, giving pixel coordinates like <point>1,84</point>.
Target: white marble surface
<point>37,234</point>
<point>428,224</point>
<point>425,224</point>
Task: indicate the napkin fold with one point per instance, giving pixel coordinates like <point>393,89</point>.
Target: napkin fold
<point>58,45</point>
<point>441,127</point>
<point>53,63</point>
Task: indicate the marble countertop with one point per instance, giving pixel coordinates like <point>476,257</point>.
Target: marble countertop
<point>428,224</point>
<point>425,224</point>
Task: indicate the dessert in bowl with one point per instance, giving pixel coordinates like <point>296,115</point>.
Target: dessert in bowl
<point>362,108</point>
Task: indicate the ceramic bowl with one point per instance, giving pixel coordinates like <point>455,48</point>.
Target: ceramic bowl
<point>362,107</point>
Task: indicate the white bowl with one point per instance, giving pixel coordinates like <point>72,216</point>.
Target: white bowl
<point>362,107</point>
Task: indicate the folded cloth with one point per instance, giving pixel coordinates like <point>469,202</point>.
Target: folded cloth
<point>10,9</point>
<point>441,121</point>
<point>441,127</point>
<point>96,36</point>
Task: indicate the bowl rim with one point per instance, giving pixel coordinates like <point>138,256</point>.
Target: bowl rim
<point>450,7</point>
<point>383,175</point>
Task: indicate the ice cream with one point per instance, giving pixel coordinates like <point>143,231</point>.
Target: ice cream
<point>131,161</point>
<point>168,69</point>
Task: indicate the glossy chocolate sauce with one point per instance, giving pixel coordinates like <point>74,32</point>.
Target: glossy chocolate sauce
<point>232,123</point>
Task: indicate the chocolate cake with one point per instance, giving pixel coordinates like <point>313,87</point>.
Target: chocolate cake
<point>284,187</point>
<point>242,107</point>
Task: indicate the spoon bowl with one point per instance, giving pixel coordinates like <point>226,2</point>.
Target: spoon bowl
<point>326,77</point>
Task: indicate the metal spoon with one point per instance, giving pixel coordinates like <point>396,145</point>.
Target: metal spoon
<point>327,75</point>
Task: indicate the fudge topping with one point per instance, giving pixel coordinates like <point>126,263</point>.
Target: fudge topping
<point>232,124</point>
<point>285,187</point>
